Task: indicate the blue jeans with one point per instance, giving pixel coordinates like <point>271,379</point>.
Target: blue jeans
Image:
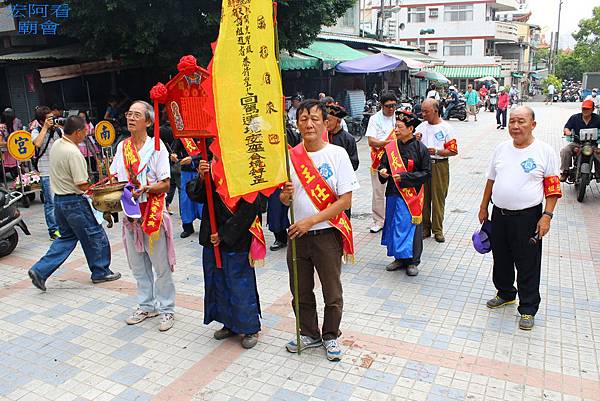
<point>77,224</point>
<point>448,109</point>
<point>48,205</point>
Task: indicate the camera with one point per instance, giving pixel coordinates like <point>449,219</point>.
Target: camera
<point>59,121</point>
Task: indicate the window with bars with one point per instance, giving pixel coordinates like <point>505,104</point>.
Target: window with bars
<point>433,13</point>
<point>458,48</point>
<point>433,47</point>
<point>415,43</point>
<point>416,14</point>
<point>458,12</point>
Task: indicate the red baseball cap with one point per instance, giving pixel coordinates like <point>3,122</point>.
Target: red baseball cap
<point>587,104</point>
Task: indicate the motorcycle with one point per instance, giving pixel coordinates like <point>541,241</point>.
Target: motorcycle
<point>10,217</point>
<point>356,127</point>
<point>492,101</point>
<point>459,111</point>
<point>583,160</point>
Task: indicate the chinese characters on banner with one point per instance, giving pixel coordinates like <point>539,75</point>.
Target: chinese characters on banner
<point>38,18</point>
<point>248,97</point>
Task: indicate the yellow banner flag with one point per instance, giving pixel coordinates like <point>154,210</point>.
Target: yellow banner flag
<point>249,98</point>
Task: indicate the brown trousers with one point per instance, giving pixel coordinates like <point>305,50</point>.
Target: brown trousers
<point>435,192</point>
<point>322,253</point>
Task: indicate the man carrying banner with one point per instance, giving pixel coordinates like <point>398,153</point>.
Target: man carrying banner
<point>406,165</point>
<point>230,292</point>
<point>380,132</point>
<point>188,154</point>
<point>322,181</point>
<point>148,240</point>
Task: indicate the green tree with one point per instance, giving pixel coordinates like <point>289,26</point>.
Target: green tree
<point>552,79</point>
<point>541,56</point>
<point>569,66</point>
<point>588,41</point>
<point>158,33</point>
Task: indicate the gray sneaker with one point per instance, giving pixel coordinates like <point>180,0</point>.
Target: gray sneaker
<point>139,316</point>
<point>305,343</point>
<point>223,333</point>
<point>498,302</point>
<point>249,340</point>
<point>334,353</point>
<point>526,322</point>
<point>166,321</point>
<point>412,270</point>
<point>395,265</point>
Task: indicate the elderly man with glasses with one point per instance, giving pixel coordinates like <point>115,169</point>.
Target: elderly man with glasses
<point>380,132</point>
<point>148,237</point>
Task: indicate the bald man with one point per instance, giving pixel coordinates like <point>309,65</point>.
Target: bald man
<point>440,139</point>
<point>522,173</point>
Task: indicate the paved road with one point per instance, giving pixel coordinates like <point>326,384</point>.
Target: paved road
<point>428,337</point>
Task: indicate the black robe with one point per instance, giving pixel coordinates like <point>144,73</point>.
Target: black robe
<point>412,150</point>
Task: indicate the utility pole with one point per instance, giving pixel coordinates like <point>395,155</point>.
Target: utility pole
<point>556,39</point>
<point>381,20</point>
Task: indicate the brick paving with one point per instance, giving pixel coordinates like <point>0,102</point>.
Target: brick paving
<point>428,337</point>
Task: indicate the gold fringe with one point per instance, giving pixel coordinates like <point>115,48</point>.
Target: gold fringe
<point>151,240</point>
<point>256,263</point>
<point>417,219</point>
<point>348,259</point>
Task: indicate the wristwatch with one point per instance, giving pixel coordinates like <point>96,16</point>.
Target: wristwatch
<point>549,214</point>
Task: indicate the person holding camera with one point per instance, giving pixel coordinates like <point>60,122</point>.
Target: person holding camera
<point>44,131</point>
<point>74,214</point>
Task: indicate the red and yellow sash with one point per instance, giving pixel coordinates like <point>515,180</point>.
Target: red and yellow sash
<point>377,154</point>
<point>552,186</point>
<point>413,200</point>
<point>190,147</point>
<point>451,146</point>
<point>152,210</point>
<point>258,246</point>
<point>321,195</point>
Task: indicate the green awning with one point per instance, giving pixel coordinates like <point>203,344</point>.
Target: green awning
<point>298,62</point>
<point>469,71</point>
<point>331,53</point>
<point>516,75</point>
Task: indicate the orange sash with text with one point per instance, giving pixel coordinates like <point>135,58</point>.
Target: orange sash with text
<point>413,199</point>
<point>321,195</point>
<point>258,246</point>
<point>190,147</point>
<point>377,154</point>
<point>152,210</point>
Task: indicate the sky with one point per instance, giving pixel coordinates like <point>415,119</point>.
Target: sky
<point>545,14</point>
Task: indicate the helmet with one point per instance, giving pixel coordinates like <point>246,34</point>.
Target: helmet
<point>501,88</point>
<point>482,238</point>
<point>452,88</point>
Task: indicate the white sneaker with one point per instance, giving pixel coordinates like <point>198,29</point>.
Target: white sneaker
<point>139,316</point>
<point>166,321</point>
<point>334,353</point>
<point>375,228</point>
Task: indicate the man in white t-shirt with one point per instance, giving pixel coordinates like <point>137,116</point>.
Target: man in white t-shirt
<point>380,132</point>
<point>440,139</point>
<point>594,97</point>
<point>148,238</point>
<point>550,95</point>
<point>322,184</point>
<point>522,173</point>
<point>291,113</point>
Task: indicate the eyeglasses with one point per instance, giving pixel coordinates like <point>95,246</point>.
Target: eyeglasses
<point>390,105</point>
<point>133,115</point>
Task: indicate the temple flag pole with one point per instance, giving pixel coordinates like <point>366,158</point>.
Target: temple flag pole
<point>289,179</point>
<point>211,203</point>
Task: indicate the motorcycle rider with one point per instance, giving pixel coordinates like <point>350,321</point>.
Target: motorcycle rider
<point>453,101</point>
<point>578,121</point>
<point>596,99</point>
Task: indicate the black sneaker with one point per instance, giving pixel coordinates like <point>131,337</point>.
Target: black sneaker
<point>526,322</point>
<point>223,333</point>
<point>107,278</point>
<point>498,302</point>
<point>249,340</point>
<point>185,234</point>
<point>412,270</point>
<point>37,281</point>
<point>277,245</point>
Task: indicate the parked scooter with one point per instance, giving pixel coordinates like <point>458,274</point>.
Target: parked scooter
<point>459,111</point>
<point>581,173</point>
<point>10,217</point>
<point>492,101</point>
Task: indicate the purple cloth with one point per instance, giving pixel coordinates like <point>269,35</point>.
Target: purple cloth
<point>376,63</point>
<point>138,234</point>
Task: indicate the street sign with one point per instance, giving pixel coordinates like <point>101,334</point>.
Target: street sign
<point>105,133</point>
<point>20,145</point>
